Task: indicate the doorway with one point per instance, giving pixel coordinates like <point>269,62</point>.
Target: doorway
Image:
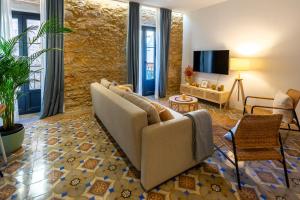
<point>30,100</point>
<point>148,60</point>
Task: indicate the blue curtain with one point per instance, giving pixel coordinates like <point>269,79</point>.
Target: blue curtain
<point>165,29</point>
<point>53,97</point>
<point>133,44</point>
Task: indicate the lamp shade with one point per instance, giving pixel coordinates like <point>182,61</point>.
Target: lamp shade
<point>239,64</point>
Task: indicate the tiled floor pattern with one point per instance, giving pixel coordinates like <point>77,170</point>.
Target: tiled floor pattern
<point>70,156</point>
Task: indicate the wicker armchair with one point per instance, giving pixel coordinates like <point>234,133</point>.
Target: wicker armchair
<point>295,96</point>
<point>257,137</point>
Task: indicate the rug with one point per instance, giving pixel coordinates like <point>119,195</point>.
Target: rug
<point>70,156</point>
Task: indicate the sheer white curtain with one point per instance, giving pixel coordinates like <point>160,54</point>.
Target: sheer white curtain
<point>43,18</point>
<point>139,90</point>
<point>5,32</point>
<point>157,53</point>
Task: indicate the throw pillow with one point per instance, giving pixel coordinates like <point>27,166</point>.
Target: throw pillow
<point>105,83</point>
<point>125,88</point>
<point>152,114</point>
<point>282,100</point>
<point>164,113</point>
<point>117,90</point>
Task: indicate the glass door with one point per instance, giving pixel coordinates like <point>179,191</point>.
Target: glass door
<point>148,60</point>
<point>30,101</point>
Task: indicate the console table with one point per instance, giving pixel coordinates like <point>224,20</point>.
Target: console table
<point>219,97</point>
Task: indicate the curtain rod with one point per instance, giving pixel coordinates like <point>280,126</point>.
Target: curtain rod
<point>145,4</point>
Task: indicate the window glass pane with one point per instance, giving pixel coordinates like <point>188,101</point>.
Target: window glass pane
<point>35,78</point>
<point>33,49</point>
<point>150,71</point>
<point>31,34</point>
<point>150,55</point>
<point>150,38</point>
<point>15,27</point>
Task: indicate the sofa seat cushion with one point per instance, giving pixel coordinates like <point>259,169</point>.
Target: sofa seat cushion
<point>152,114</point>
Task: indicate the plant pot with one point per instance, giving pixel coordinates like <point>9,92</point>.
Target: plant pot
<point>12,139</point>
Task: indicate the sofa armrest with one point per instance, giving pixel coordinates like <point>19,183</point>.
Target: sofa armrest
<point>166,151</point>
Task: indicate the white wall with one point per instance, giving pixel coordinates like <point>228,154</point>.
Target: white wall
<point>25,6</point>
<point>267,31</point>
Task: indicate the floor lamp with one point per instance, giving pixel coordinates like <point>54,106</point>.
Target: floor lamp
<point>238,64</point>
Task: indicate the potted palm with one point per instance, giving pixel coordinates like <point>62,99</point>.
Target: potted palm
<point>14,72</point>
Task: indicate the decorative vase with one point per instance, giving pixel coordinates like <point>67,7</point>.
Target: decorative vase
<point>13,139</point>
<point>189,79</point>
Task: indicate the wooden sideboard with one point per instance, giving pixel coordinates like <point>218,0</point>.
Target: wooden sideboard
<point>219,97</point>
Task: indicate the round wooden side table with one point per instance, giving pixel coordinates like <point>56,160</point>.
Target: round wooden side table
<point>182,105</point>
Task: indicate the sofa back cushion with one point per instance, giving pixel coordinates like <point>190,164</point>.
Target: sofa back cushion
<point>152,114</point>
<point>117,90</point>
<point>282,100</point>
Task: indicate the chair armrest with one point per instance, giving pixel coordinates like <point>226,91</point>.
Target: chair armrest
<point>270,107</point>
<point>255,97</point>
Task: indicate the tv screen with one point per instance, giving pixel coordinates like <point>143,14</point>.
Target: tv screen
<point>216,62</point>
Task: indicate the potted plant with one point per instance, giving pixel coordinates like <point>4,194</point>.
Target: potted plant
<point>14,72</point>
<point>188,72</point>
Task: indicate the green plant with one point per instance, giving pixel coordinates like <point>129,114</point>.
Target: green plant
<point>15,70</point>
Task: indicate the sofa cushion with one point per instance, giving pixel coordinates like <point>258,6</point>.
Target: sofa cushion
<point>117,90</point>
<point>152,114</point>
<point>282,100</point>
<point>105,83</point>
<point>164,113</point>
<point>125,88</point>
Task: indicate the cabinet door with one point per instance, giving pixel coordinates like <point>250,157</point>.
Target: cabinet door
<point>198,93</point>
<point>185,89</point>
<point>214,97</point>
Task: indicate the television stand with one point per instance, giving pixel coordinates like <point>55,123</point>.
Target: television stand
<point>215,96</point>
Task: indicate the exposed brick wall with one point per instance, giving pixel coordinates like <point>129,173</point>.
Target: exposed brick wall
<point>97,48</point>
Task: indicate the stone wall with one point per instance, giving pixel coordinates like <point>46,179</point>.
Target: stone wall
<point>97,48</point>
<point>175,54</point>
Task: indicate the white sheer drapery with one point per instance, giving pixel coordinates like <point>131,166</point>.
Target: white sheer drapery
<point>43,18</point>
<point>157,53</point>
<point>5,32</point>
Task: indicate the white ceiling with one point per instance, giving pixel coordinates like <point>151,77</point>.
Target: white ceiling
<point>180,5</point>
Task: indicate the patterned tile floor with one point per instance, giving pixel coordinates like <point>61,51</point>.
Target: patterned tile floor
<point>71,156</point>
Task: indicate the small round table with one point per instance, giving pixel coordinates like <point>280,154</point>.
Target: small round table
<point>181,105</point>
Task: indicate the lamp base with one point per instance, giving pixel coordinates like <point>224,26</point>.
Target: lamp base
<point>239,82</point>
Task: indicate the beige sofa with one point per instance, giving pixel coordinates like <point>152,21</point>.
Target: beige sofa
<point>160,151</point>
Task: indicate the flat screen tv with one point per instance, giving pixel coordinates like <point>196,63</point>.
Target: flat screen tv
<point>216,61</point>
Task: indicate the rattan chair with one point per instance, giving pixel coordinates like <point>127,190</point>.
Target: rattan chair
<point>257,137</point>
<point>295,96</point>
